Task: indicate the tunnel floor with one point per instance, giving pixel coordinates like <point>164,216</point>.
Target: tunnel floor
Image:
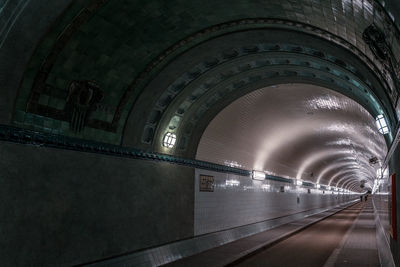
<point>346,238</point>
<point>340,240</point>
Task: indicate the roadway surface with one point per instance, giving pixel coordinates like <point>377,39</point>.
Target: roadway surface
<point>311,247</point>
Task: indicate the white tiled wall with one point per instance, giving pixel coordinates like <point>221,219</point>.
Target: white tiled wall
<point>239,200</point>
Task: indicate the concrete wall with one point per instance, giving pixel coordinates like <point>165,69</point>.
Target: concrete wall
<point>239,200</point>
<point>62,208</point>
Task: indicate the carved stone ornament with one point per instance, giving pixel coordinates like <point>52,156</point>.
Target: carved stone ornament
<point>376,41</point>
<point>81,100</point>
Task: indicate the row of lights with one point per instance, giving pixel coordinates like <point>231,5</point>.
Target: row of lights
<point>261,176</point>
<point>169,141</point>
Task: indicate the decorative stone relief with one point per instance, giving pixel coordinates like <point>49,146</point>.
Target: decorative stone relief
<point>377,42</point>
<point>83,96</point>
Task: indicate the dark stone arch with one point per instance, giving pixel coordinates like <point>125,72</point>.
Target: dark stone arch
<point>334,60</point>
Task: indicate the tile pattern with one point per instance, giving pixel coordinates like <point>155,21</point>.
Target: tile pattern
<point>129,41</point>
<point>238,201</point>
<point>256,61</point>
<point>360,248</point>
<point>222,254</point>
<point>381,210</point>
<point>297,130</point>
<point>232,252</point>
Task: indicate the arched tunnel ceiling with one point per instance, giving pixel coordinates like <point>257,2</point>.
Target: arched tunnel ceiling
<point>190,91</point>
<point>298,131</point>
<point>123,48</point>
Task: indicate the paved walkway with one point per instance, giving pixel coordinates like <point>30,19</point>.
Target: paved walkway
<point>345,238</point>
<point>359,248</point>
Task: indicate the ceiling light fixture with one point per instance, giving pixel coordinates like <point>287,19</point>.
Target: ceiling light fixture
<point>380,174</point>
<point>381,124</point>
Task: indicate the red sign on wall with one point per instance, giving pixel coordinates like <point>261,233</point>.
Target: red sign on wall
<point>393,208</point>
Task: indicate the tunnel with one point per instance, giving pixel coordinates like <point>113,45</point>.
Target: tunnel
<point>199,133</point>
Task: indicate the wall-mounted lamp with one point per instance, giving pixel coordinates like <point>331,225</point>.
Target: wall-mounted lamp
<point>232,183</point>
<point>258,175</point>
<point>169,140</point>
